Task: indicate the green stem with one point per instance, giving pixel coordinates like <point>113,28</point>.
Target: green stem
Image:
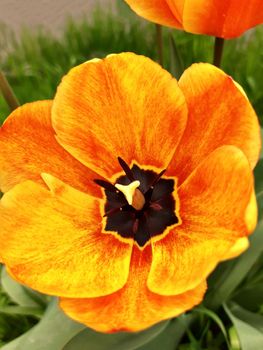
<point>218,51</point>
<point>159,40</point>
<point>8,93</point>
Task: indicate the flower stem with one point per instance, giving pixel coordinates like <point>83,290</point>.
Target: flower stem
<point>218,51</point>
<point>159,41</point>
<point>8,93</point>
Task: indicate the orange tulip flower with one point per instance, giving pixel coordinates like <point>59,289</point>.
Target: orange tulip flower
<point>125,191</point>
<point>221,18</point>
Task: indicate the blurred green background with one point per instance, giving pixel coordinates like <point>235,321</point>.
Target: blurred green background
<point>34,62</point>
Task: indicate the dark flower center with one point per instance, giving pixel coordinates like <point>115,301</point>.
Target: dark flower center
<point>151,211</point>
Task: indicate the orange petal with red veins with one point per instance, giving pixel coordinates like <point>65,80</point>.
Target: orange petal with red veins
<point>134,307</point>
<point>28,147</point>
<point>125,105</point>
<point>52,241</point>
<point>157,11</point>
<point>219,114</point>
<point>213,203</point>
<point>221,18</point>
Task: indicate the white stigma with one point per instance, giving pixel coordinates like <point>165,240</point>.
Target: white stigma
<point>129,190</point>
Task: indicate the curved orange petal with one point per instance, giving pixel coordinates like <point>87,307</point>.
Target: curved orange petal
<point>251,218</point>
<point>177,8</point>
<point>52,241</point>
<point>134,307</point>
<point>239,247</point>
<point>28,147</point>
<point>221,18</point>
<point>219,114</point>
<point>125,105</point>
<point>157,11</point>
<point>213,203</point>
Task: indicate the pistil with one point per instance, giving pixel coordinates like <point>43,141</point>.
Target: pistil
<point>133,195</point>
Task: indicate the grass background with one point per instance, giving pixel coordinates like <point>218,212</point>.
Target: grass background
<point>34,64</point>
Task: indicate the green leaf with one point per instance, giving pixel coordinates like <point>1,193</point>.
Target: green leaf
<point>249,326</point>
<point>254,319</point>
<point>258,172</point>
<point>250,297</point>
<point>171,337</point>
<point>215,318</point>
<point>53,331</point>
<point>91,340</point>
<point>261,154</point>
<point>260,206</point>
<point>21,310</point>
<point>18,293</point>
<point>234,340</point>
<point>236,270</point>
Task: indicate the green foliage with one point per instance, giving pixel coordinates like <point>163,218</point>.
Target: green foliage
<point>88,339</point>
<point>232,312</point>
<point>249,327</point>
<point>14,319</point>
<point>21,295</point>
<point>51,333</point>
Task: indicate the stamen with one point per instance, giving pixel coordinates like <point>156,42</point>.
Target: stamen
<point>105,184</point>
<point>132,194</point>
<point>148,193</point>
<point>112,211</point>
<point>156,206</point>
<point>126,169</point>
<point>157,178</point>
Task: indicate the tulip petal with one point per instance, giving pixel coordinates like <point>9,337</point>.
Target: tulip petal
<point>213,205</point>
<point>52,241</point>
<point>28,147</point>
<point>134,307</point>
<point>221,18</point>
<point>157,11</point>
<point>251,218</point>
<point>240,246</point>
<point>219,114</point>
<point>126,106</point>
<point>177,8</point>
